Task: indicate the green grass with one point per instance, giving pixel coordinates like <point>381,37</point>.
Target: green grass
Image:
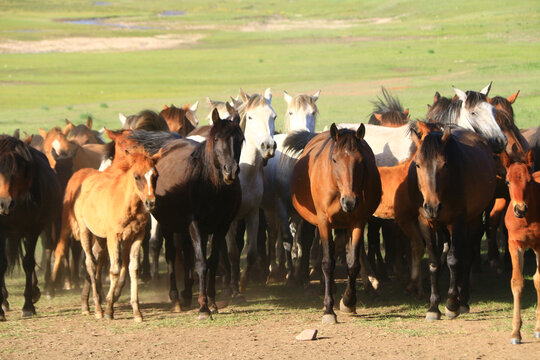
<point>425,47</point>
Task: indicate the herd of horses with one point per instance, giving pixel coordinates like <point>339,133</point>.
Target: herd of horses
<point>296,201</point>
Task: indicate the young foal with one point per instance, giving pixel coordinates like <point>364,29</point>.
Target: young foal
<point>523,223</point>
<point>113,207</point>
<point>336,185</point>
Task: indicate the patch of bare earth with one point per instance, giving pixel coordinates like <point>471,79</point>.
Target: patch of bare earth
<point>90,44</point>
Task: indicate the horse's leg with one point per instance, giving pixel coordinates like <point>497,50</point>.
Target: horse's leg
<point>454,259</point>
<point>213,260</point>
<point>187,249</point>
<point>287,243</point>
<point>145,266</point>
<point>91,269</point>
<point>495,215</point>
<point>536,280</point>
<point>133,267</point>
<point>234,258</point>
<point>170,256</point>
<point>29,264</point>
<point>471,249</point>
<point>429,235</point>
<point>252,227</point>
<point>126,257</point>
<point>328,266</point>
<point>3,267</point>
<point>199,241</point>
<point>100,254</point>
<point>412,231</point>
<point>47,242</point>
<point>262,255</point>
<point>306,232</point>
<point>155,243</point>
<point>76,252</point>
<point>389,236</point>
<point>516,253</point>
<point>273,232</point>
<point>113,248</point>
<point>373,228</point>
<point>85,294</point>
<point>348,302</point>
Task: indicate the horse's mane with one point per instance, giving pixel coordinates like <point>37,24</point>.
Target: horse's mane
<point>253,101</point>
<point>474,98</point>
<point>296,141</point>
<point>153,141</point>
<point>147,120</point>
<point>15,157</point>
<point>388,106</point>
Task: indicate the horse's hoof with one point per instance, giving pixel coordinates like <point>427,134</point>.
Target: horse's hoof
<point>5,306</point>
<point>176,308</point>
<point>138,319</point>
<point>451,314</point>
<point>464,309</point>
<point>213,307</point>
<point>515,341</point>
<point>108,316</point>
<point>239,300</point>
<point>99,315</point>
<point>86,312</point>
<point>329,319</point>
<point>67,286</point>
<point>345,309</point>
<point>28,313</point>
<point>433,316</point>
<point>2,318</point>
<point>374,282</point>
<point>205,316</point>
<point>537,334</point>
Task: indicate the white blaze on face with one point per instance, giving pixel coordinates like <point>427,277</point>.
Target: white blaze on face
<point>56,146</point>
<point>148,177</point>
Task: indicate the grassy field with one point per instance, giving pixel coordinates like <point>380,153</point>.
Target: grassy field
<point>347,49</point>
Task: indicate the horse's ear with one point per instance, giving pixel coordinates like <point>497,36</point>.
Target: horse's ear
<point>334,133</point>
<point>446,134</point>
<point>230,109</point>
<point>513,98</point>
<point>68,128</point>
<point>209,102</point>
<point>315,96</point>
<point>268,95</point>
<point>215,117</point>
<point>123,118</point>
<point>485,90</point>
<point>28,139</point>
<point>428,107</point>
<point>186,107</point>
<point>165,107</point>
<point>89,122</point>
<point>423,129</point>
<point>505,159</point>
<point>378,116</point>
<point>42,132</point>
<point>361,131</point>
<point>244,96</point>
<point>529,159</point>
<point>460,94</point>
<point>436,97</point>
<point>158,155</point>
<point>194,106</point>
<point>406,112</point>
<point>110,134</point>
<point>288,98</point>
<point>17,134</point>
<point>236,102</point>
<point>415,137</point>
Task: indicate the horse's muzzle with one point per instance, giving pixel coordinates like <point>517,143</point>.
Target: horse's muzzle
<point>431,211</point>
<point>6,205</point>
<point>230,173</point>
<point>150,204</point>
<point>498,144</point>
<point>348,203</point>
<point>520,210</point>
<point>268,149</point>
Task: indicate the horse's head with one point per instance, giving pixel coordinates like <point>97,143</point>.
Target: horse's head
<point>502,103</point>
<point>15,172</point>
<point>301,111</point>
<point>432,167</point>
<point>82,134</point>
<point>56,144</point>
<point>225,143</point>
<point>519,179</point>
<point>347,162</point>
<point>144,174</point>
<point>388,111</point>
<point>181,120</point>
<point>257,121</point>
<point>478,115</point>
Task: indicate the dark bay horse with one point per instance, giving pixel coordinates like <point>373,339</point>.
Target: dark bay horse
<point>30,200</point>
<point>181,120</point>
<point>523,223</point>
<point>449,185</point>
<point>198,195</point>
<point>336,185</point>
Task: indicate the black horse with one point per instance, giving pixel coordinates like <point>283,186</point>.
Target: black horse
<point>30,200</point>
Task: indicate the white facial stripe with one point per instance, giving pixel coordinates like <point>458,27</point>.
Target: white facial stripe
<point>56,146</point>
<point>148,177</point>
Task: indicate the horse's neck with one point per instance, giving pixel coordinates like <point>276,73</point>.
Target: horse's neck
<point>131,203</point>
<point>250,154</point>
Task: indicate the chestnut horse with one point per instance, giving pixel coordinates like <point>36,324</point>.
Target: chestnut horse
<point>147,120</point>
<point>30,200</point>
<point>449,185</point>
<point>336,185</point>
<point>181,120</point>
<point>83,134</point>
<point>112,208</point>
<point>198,194</point>
<point>523,223</point>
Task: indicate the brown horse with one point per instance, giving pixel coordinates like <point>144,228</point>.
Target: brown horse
<point>388,111</point>
<point>181,120</point>
<point>450,183</point>
<point>30,200</point>
<point>336,185</point>
<point>523,224</point>
<point>112,208</point>
<point>83,134</point>
<point>147,120</point>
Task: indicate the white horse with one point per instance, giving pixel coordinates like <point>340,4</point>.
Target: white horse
<point>471,111</point>
<point>301,115</point>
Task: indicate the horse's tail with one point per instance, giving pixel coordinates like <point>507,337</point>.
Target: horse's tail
<point>13,253</point>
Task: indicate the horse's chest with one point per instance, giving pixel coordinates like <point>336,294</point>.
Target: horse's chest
<point>133,226</point>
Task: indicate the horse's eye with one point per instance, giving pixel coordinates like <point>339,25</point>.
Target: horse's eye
<point>334,160</point>
<point>137,177</point>
<point>473,113</point>
<point>290,113</point>
<point>507,182</point>
<point>249,117</point>
<point>417,166</point>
